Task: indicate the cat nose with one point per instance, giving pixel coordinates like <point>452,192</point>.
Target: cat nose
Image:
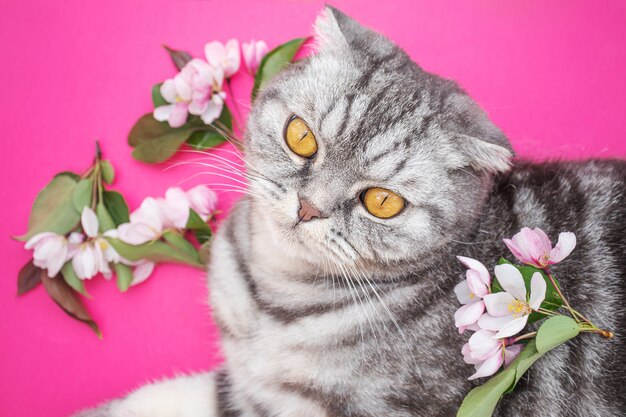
<point>307,211</point>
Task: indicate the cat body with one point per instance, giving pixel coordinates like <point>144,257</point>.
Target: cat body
<point>349,314</point>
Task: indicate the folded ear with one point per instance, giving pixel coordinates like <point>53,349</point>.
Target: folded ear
<point>337,32</point>
<point>482,144</point>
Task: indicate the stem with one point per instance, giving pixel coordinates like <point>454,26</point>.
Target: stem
<point>577,316</point>
<point>525,336</point>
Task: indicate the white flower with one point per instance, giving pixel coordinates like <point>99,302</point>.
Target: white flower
<point>142,271</point>
<point>508,311</point>
<point>95,254</point>
<point>227,57</point>
<point>146,224</point>
<point>488,354</point>
<point>51,251</point>
<point>175,208</point>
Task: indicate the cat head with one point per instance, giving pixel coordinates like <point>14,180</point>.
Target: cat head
<point>362,156</point>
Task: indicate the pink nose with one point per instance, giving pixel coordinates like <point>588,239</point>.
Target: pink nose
<point>307,211</point>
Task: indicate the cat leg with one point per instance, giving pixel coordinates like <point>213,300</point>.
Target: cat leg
<point>187,396</point>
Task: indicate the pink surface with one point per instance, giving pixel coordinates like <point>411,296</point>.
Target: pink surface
<point>550,73</point>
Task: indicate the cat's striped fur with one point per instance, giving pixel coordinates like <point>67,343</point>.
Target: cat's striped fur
<point>350,315</point>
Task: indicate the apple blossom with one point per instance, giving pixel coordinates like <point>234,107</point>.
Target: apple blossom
<point>51,251</point>
<point>203,200</point>
<point>175,208</point>
<point>488,354</point>
<point>470,293</point>
<point>253,53</point>
<point>194,90</point>
<point>533,247</point>
<point>146,223</point>
<point>508,311</point>
<point>95,254</point>
<point>224,56</point>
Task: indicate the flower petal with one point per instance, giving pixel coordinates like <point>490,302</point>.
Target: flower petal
<point>512,328</point>
<point>141,272</point>
<point>497,304</point>
<point>494,323</point>
<point>178,117</point>
<point>163,113</point>
<point>215,53</point>
<point>57,260</point>
<point>482,344</point>
<point>537,290</point>
<point>564,246</point>
<point>213,109</point>
<point>89,221</point>
<point>515,250</point>
<point>475,284</point>
<point>511,280</point>
<point>477,266</point>
<point>467,355</point>
<point>468,314</point>
<point>463,293</point>
<point>33,241</point>
<point>511,352</point>
<point>489,367</point>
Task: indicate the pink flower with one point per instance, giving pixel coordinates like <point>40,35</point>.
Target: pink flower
<point>203,201</point>
<point>488,354</point>
<point>470,292</point>
<point>175,208</point>
<point>508,311</point>
<point>226,57</point>
<point>194,90</point>
<point>146,224</point>
<point>533,247</point>
<point>253,53</point>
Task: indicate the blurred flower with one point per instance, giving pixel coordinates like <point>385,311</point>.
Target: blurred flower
<point>146,224</point>
<point>508,311</point>
<point>227,57</point>
<point>95,254</point>
<point>488,354</point>
<point>533,247</point>
<point>253,53</point>
<point>51,251</point>
<point>470,292</point>
<point>203,201</point>
<point>192,91</point>
<point>175,208</point>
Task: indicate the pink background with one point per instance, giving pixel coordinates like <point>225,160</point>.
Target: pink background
<point>550,73</point>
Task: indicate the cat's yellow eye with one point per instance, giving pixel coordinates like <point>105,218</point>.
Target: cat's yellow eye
<point>382,203</point>
<point>300,139</point>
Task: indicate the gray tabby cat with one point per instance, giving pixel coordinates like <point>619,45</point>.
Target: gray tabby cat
<point>328,307</point>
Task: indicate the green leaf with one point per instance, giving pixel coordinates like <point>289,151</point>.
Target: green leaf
<point>156,251</point>
<point>81,197</point>
<point>108,173</point>
<point>274,62</point>
<point>70,174</point>
<point>124,276</point>
<point>104,218</point>
<point>72,279</point>
<point>179,58</point>
<point>226,118</point>
<point>205,139</point>
<point>28,278</point>
<point>482,400</point>
<point>180,243</point>
<point>157,98</point>
<point>156,141</point>
<point>53,210</point>
<point>555,331</point>
<point>116,206</point>
<point>552,301</point>
<point>66,298</point>
<point>201,229</point>
<point>205,252</point>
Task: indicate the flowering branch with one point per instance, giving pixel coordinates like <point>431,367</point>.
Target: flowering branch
<point>78,229</point>
<point>497,311</point>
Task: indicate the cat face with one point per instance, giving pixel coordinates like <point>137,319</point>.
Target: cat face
<point>363,157</point>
